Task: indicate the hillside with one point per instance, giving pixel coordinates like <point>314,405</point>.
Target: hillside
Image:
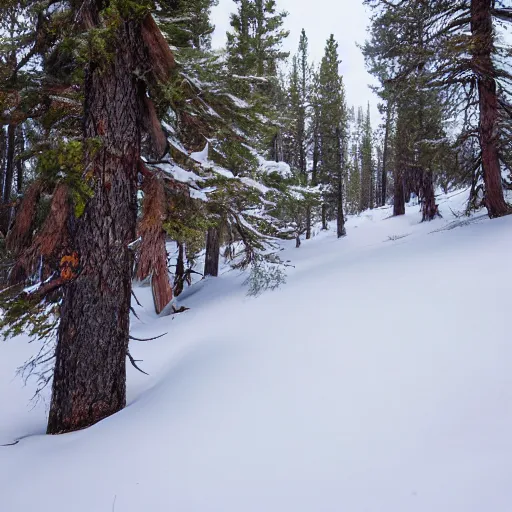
<point>376,380</point>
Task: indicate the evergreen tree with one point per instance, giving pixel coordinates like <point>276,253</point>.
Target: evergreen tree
<point>254,44</point>
<point>333,135</point>
<point>304,72</point>
<point>367,164</point>
<point>189,24</point>
<point>299,88</point>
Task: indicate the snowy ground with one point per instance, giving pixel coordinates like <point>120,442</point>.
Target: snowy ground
<point>378,379</point>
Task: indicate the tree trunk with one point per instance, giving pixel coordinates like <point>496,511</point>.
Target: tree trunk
<point>372,189</point>
<point>399,193</point>
<point>340,220</point>
<point>19,162</point>
<point>308,222</point>
<point>5,212</point>
<point>211,263</point>
<point>483,67</point>
<point>429,207</point>
<point>316,158</point>
<point>89,382</point>
<point>179,276</point>
<point>9,165</point>
<point>385,153</point>
<point>324,216</point>
<point>277,147</point>
<point>3,156</point>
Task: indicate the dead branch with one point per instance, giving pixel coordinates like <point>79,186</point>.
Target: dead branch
<point>134,362</point>
<point>148,339</point>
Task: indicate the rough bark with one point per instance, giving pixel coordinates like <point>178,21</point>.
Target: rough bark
<point>89,381</point>
<point>483,67</point>
<point>152,261</point>
<point>211,263</point>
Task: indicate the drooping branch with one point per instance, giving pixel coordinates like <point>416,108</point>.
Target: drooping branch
<point>19,236</point>
<point>152,254</point>
<point>50,243</point>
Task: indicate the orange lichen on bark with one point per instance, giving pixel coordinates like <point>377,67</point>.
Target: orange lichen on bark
<point>69,266</point>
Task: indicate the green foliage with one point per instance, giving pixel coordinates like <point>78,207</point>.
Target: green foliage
<point>190,25</point>
<point>254,45</point>
<point>266,273</point>
<point>26,314</point>
<point>65,163</point>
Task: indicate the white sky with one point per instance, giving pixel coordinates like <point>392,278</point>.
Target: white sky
<point>346,19</point>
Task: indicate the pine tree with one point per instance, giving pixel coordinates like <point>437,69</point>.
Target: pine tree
<point>333,135</point>
<point>304,72</point>
<point>367,164</point>
<point>239,42</point>
<point>189,24</point>
<point>254,44</point>
<point>388,109</point>
<point>299,89</point>
<point>87,389</point>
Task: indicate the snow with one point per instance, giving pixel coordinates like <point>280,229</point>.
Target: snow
<point>269,166</point>
<point>377,379</point>
<point>238,102</point>
<point>201,156</point>
<point>179,174</point>
<point>255,184</point>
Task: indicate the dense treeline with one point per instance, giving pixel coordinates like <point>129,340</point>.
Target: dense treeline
<point>129,149</point>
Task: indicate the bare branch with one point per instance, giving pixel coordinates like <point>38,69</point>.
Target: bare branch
<point>134,363</point>
<point>148,339</point>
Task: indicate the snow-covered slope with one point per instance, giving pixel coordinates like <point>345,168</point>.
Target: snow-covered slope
<point>378,379</point>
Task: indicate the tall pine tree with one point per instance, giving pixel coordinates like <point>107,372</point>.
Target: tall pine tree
<point>333,135</point>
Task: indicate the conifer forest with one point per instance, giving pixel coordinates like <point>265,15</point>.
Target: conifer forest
<point>231,280</point>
